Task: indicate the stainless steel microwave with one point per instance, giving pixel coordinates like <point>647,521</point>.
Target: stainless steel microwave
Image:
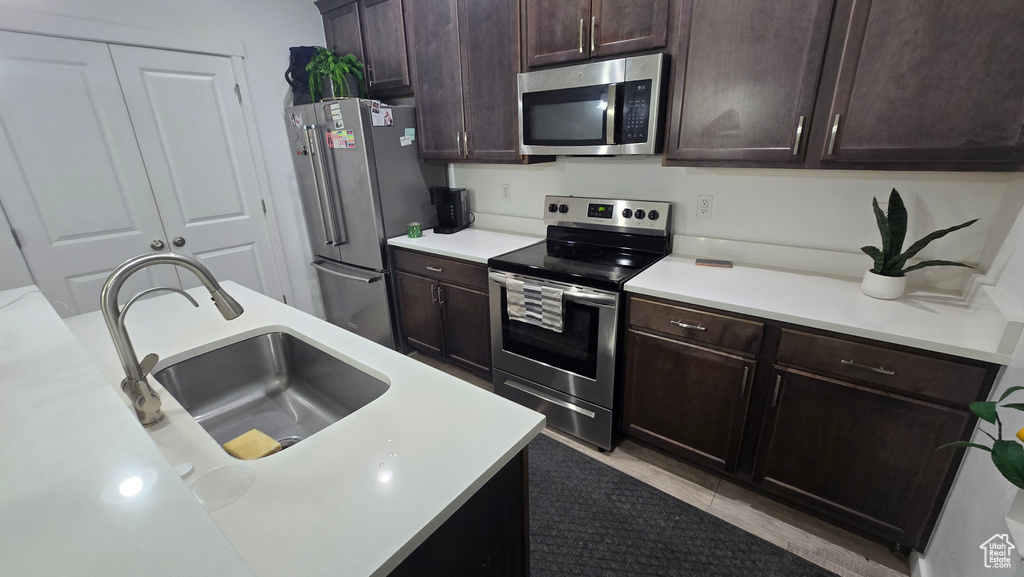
<point>601,108</point>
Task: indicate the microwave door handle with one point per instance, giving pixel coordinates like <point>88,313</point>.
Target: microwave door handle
<point>319,176</point>
<point>610,115</point>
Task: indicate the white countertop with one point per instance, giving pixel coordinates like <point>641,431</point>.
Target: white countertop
<point>986,328</point>
<point>70,446</point>
<point>472,244</point>
<point>327,506</point>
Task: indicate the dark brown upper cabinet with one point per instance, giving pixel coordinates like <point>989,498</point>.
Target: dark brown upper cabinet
<point>746,73</point>
<point>929,81</point>
<point>373,30</point>
<point>572,30</point>
<point>465,60</point>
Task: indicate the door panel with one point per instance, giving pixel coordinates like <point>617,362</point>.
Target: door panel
<point>74,184</point>
<point>343,32</point>
<point>192,136</point>
<point>930,81</point>
<point>467,330</point>
<point>421,315</point>
<point>557,31</point>
<point>386,57</point>
<point>434,35</point>
<point>740,95</point>
<point>621,26</point>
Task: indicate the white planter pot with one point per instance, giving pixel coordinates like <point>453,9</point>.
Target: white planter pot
<point>883,287</point>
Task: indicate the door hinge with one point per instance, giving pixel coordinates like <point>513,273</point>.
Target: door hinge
<point>284,298</point>
<point>238,93</point>
<point>264,204</point>
<point>17,240</point>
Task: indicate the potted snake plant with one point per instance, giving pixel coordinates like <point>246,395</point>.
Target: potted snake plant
<point>331,75</point>
<point>887,278</point>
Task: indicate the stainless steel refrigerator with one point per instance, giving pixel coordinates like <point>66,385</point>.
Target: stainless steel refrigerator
<point>360,184</point>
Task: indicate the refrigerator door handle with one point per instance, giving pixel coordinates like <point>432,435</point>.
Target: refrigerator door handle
<point>320,179</point>
<point>318,265</point>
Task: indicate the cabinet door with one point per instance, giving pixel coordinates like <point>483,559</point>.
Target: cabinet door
<point>342,31</point>
<point>387,63</point>
<point>557,31</point>
<point>620,26</point>
<point>490,62</point>
<point>437,77</point>
<point>421,315</point>
<point>467,327</point>
<point>930,81</point>
<point>687,399</point>
<point>745,78</point>
<point>865,456</point>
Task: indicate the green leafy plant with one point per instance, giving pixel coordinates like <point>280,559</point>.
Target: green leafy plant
<point>339,68</point>
<point>1007,455</point>
<point>890,259</point>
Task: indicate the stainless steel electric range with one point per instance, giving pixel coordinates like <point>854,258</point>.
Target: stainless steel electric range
<point>592,247</point>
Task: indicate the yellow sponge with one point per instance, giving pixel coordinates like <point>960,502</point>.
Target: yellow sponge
<point>252,445</point>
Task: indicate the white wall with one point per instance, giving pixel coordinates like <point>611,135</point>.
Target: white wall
<point>266,28</point>
<point>795,208</point>
<point>981,497</point>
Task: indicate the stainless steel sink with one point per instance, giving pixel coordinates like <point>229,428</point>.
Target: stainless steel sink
<point>275,382</point>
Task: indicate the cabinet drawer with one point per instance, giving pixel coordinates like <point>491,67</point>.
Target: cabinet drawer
<point>925,376</point>
<point>723,331</point>
<point>442,269</point>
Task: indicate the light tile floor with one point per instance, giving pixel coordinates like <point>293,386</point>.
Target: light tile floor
<point>839,551</point>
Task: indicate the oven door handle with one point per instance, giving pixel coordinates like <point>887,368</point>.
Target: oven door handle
<point>607,300</point>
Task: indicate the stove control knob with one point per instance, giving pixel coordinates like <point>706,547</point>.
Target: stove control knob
<point>653,214</point>
<point>552,207</point>
<point>639,213</point>
<point>626,213</point>
<point>563,208</point>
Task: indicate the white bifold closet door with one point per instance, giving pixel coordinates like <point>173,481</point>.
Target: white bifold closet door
<point>72,180</point>
<point>109,148</point>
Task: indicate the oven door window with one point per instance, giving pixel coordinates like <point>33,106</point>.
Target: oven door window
<point>573,350</point>
<point>570,116</point>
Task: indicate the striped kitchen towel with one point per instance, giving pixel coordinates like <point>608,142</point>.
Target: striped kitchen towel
<point>535,304</point>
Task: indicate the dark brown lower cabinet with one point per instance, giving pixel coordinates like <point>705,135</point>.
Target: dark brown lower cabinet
<point>445,309</point>
<point>421,317</point>
<point>487,537</point>
<point>867,456</point>
<point>686,399</point>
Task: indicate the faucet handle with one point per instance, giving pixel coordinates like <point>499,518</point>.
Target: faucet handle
<point>148,363</point>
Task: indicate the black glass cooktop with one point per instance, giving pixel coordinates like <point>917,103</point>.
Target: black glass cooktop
<point>571,262</point>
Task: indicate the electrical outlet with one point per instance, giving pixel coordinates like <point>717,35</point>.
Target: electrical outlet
<point>506,192</point>
<point>704,206</point>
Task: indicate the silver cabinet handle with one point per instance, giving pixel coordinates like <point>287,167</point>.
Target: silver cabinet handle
<point>440,295</point>
<point>320,267</point>
<point>775,395</point>
<point>879,370</point>
<point>743,383</point>
<point>610,115</point>
<point>435,269</point>
<point>157,244</point>
<point>832,138</point>
<point>433,293</point>
<point>458,143</point>
<point>178,241</point>
<point>550,399</point>
<point>799,135</point>
<point>593,22</point>
<point>369,70</point>
<point>581,36</point>
<point>686,326</point>
<point>465,142</point>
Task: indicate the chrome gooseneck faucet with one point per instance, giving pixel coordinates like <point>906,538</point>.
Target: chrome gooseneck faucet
<point>144,399</point>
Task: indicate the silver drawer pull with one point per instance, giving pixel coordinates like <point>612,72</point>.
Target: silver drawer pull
<point>686,326</point>
<point>435,269</point>
<point>550,399</point>
<point>879,370</point>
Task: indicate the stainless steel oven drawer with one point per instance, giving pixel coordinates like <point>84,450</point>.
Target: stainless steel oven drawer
<point>566,413</point>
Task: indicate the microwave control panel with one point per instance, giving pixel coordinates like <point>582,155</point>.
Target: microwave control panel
<point>636,111</point>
